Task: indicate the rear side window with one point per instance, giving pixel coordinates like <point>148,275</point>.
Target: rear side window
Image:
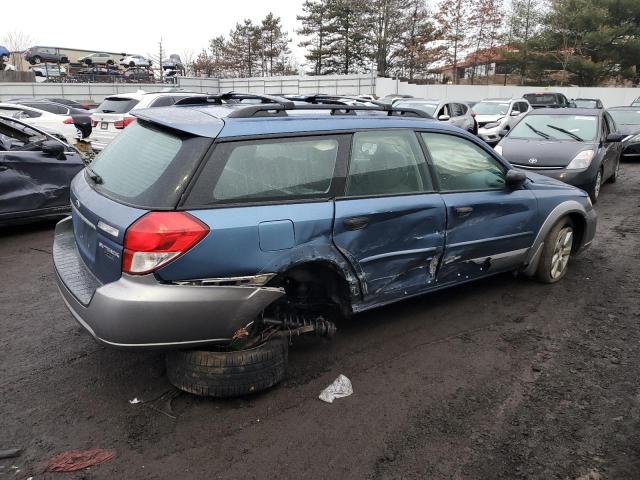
<point>275,169</point>
<point>166,101</point>
<point>463,166</point>
<point>146,166</point>
<point>116,105</point>
<point>387,163</point>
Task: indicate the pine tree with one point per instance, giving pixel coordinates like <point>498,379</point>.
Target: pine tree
<point>486,23</point>
<point>274,44</point>
<point>242,50</point>
<point>349,40</point>
<point>315,21</point>
<point>387,26</point>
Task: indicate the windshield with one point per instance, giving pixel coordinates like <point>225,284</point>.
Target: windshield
<point>580,103</point>
<point>116,105</point>
<point>626,117</point>
<point>430,108</point>
<point>579,128</point>
<point>491,108</point>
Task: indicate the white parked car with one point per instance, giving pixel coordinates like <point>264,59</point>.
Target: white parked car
<point>49,70</point>
<point>114,114</point>
<point>52,123</point>
<point>97,59</point>
<point>135,61</point>
<point>497,114</point>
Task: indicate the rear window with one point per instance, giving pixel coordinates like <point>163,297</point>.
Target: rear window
<point>626,117</point>
<point>541,99</point>
<point>116,105</point>
<point>146,166</point>
<point>264,170</point>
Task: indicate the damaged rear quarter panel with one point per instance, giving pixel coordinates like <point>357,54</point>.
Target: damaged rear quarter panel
<point>234,246</point>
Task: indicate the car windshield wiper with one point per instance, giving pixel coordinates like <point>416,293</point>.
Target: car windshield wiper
<point>97,179</point>
<point>566,132</point>
<point>542,134</point>
<point>107,111</point>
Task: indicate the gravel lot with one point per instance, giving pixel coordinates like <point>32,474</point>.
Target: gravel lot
<point>504,378</point>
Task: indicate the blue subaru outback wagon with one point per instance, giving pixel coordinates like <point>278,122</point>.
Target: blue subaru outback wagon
<point>218,229</point>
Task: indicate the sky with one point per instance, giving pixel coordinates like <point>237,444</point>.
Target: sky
<point>135,26</point>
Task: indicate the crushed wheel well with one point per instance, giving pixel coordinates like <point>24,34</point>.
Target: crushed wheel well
<point>316,283</point>
<point>579,226</point>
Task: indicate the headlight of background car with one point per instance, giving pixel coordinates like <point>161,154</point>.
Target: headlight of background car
<point>581,160</point>
<point>493,124</point>
<point>498,149</point>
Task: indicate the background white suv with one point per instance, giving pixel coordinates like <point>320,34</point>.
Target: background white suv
<point>114,113</point>
<point>496,114</point>
<point>60,125</point>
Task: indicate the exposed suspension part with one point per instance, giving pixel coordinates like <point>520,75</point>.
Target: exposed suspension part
<point>297,323</point>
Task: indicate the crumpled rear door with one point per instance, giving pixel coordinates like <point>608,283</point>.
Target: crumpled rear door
<point>31,181</point>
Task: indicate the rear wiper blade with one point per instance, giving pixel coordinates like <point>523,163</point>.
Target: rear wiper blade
<point>542,134</point>
<point>97,179</point>
<point>566,132</point>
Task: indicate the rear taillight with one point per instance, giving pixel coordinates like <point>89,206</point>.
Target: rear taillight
<point>120,124</point>
<point>158,238</point>
<point>68,121</point>
<point>94,123</point>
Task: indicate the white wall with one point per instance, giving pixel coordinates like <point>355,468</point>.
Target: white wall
<point>610,96</point>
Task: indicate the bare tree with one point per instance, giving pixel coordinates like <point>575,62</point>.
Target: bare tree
<point>187,57</point>
<point>17,42</point>
<point>160,59</point>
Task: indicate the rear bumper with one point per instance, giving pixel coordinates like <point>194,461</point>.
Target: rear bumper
<point>137,312</point>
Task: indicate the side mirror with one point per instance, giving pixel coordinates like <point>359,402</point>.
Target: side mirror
<point>515,178</point>
<point>54,148</point>
<point>503,133</point>
<point>444,118</point>
<point>616,137</point>
<point>515,113</point>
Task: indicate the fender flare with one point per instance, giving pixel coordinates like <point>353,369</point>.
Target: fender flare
<point>535,251</point>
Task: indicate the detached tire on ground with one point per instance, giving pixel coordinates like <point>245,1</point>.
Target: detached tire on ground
<point>228,374</point>
<point>554,261</point>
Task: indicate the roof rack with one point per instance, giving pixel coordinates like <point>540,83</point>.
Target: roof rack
<point>272,105</point>
<point>281,110</point>
<point>229,97</point>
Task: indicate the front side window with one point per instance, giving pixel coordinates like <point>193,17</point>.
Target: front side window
<point>268,170</point>
<point>463,166</point>
<point>387,162</point>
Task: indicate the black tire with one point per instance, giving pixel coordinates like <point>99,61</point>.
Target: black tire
<point>596,186</point>
<point>109,62</point>
<point>64,60</point>
<point>36,59</point>
<point>228,374</point>
<point>545,266</point>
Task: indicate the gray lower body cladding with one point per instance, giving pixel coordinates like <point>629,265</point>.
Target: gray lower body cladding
<point>140,312</point>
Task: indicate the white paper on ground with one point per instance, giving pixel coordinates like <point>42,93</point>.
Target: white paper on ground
<point>341,387</point>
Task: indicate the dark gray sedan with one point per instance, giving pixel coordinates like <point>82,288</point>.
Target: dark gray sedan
<point>578,146</point>
<point>628,121</point>
<point>35,172</point>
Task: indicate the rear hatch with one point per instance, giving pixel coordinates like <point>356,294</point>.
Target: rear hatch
<point>109,119</point>
<point>145,168</point>
<point>542,100</point>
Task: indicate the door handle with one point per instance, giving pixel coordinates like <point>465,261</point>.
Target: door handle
<point>463,211</point>
<point>356,223</point>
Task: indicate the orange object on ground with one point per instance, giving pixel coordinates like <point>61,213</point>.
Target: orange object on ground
<point>74,460</point>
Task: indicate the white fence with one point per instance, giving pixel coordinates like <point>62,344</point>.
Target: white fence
<point>610,96</point>
<point>329,84</point>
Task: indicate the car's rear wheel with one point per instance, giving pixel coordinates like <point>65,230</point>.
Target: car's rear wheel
<point>64,60</point>
<point>36,59</point>
<point>79,133</point>
<point>554,261</point>
<point>596,186</point>
<point>228,373</point>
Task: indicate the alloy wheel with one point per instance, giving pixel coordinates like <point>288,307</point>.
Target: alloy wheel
<point>561,252</point>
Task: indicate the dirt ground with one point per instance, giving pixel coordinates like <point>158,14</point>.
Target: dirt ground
<point>502,379</point>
